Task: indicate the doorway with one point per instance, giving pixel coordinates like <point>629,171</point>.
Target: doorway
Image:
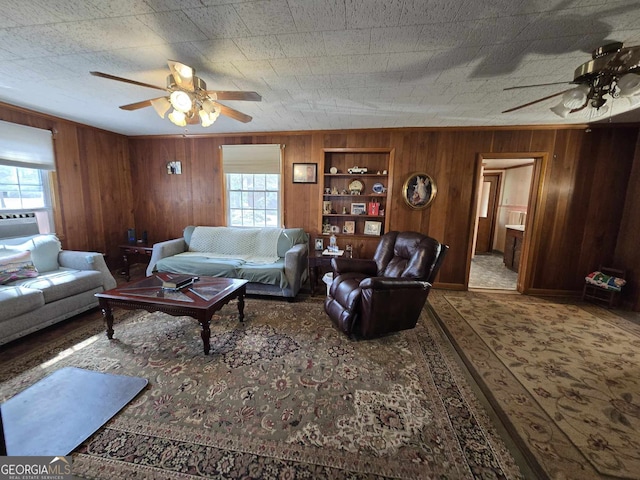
<point>504,193</point>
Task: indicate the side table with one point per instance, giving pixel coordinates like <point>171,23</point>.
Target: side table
<point>138,250</point>
<point>318,262</point>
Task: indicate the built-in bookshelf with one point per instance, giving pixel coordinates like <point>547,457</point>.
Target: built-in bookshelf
<point>355,202</point>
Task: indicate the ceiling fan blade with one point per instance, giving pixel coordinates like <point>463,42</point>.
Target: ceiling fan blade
<point>182,74</point>
<point>125,80</point>
<point>138,105</point>
<point>235,114</point>
<point>537,85</point>
<point>219,95</point>
<point>537,101</point>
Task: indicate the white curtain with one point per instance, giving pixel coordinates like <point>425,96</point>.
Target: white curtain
<point>27,147</point>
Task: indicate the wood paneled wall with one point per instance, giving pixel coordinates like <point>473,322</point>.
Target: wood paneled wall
<point>583,195</point>
<point>92,184</point>
<point>107,183</point>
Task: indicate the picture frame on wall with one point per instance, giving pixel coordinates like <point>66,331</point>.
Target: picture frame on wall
<point>372,228</point>
<point>305,173</point>
<point>319,244</point>
<point>419,190</point>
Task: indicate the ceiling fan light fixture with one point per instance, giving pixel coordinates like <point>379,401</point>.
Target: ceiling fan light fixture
<point>161,105</point>
<point>576,97</point>
<point>178,118</point>
<point>561,110</point>
<point>181,101</point>
<point>629,84</point>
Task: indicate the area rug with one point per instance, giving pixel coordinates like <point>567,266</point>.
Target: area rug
<point>282,395</point>
<point>56,414</point>
<point>565,376</point>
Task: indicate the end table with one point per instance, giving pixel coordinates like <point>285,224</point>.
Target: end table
<point>138,250</point>
<point>318,262</point>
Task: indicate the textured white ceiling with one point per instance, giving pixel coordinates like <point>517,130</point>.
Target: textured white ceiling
<point>318,64</point>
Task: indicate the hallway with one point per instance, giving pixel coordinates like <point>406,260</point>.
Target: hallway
<point>489,271</point>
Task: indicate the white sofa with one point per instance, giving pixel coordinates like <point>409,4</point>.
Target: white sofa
<point>64,285</point>
<point>273,260</point>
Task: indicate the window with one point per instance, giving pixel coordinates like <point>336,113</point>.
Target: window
<point>253,185</point>
<point>23,189</point>
<point>254,200</point>
<point>26,160</point>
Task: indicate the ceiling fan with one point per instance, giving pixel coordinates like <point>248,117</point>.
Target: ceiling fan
<point>188,95</point>
<point>612,72</point>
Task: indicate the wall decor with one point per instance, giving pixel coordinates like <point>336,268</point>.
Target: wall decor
<point>319,244</point>
<point>174,168</point>
<point>305,173</point>
<point>419,190</point>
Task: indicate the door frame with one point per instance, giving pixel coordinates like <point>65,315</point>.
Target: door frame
<point>535,213</point>
<point>494,213</point>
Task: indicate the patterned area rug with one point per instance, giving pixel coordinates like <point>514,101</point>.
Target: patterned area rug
<point>565,375</point>
<point>283,395</point>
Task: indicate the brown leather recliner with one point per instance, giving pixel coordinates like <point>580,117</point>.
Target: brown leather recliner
<point>368,298</point>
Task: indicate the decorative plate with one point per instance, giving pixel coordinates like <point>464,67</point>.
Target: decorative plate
<point>378,188</point>
<point>333,170</point>
<point>356,186</point>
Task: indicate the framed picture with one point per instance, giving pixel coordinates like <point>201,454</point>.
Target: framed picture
<point>372,228</point>
<point>349,227</point>
<point>358,208</point>
<point>326,207</point>
<point>305,173</point>
<point>419,190</point>
<point>319,244</point>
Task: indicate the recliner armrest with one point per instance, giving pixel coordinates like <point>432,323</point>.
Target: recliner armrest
<point>355,265</point>
<point>165,249</point>
<point>391,283</point>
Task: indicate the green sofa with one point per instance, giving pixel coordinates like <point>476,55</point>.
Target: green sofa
<point>274,261</point>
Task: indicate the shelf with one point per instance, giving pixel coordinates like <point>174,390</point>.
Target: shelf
<point>354,215</point>
<point>356,175</point>
<point>374,195</point>
<point>350,235</point>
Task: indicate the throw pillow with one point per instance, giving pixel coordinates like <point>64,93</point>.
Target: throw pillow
<point>607,282</point>
<point>16,266</point>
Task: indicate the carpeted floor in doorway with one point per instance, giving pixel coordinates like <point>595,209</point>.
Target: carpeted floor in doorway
<point>283,395</point>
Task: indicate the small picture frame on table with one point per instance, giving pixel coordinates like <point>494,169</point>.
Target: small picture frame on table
<point>372,228</point>
<point>305,173</point>
<point>319,244</point>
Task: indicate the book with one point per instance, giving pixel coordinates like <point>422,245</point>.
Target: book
<point>178,281</point>
<point>332,252</point>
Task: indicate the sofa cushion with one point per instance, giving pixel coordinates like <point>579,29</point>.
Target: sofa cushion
<point>16,300</point>
<point>200,265</point>
<point>258,245</point>
<point>44,251</point>
<point>269,274</point>
<point>63,283</point>
<point>16,265</point>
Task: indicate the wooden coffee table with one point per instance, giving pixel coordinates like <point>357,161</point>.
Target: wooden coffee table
<point>199,300</point>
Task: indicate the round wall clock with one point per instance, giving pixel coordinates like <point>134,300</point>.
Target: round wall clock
<point>356,186</point>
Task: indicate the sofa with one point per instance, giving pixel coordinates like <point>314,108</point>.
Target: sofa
<point>273,260</point>
<point>41,284</point>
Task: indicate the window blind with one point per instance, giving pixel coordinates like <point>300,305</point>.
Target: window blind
<point>27,147</point>
<point>251,158</point>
